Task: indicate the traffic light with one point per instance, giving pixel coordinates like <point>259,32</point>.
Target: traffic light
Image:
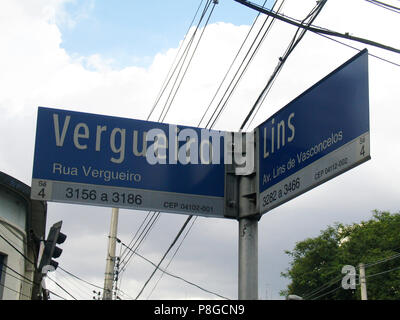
<point>50,249</point>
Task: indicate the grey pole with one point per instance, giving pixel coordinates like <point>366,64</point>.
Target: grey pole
<point>110,260</point>
<point>248,245</point>
<point>363,282</point>
<point>248,259</point>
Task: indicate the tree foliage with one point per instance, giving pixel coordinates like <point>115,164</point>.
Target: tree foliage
<point>316,267</point>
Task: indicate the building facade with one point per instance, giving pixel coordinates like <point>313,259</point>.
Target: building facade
<point>22,225</point>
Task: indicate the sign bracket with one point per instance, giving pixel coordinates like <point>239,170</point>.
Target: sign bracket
<point>241,199</point>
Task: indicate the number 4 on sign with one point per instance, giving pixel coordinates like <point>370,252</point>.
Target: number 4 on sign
<point>41,193</point>
<point>362,142</point>
<point>41,190</point>
<point>362,152</point>
<point>43,185</point>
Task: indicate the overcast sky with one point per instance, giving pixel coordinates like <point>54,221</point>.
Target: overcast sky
<point>111,57</point>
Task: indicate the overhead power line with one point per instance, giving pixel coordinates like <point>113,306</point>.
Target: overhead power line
<point>329,292</point>
<point>138,242</point>
<point>180,64</point>
<point>165,108</point>
<point>317,29</point>
<point>61,287</point>
<point>55,294</point>
<point>79,278</point>
<point>395,256</point>
<point>325,286</point>
<point>27,259</point>
<point>173,256</point>
<point>17,250</point>
<point>175,276</point>
<point>168,250</point>
<point>340,277</point>
<point>187,67</point>
<point>126,251</point>
<point>255,46</point>
<point>26,280</point>
<point>383,272</point>
<point>349,46</point>
<point>182,229</point>
<point>384,5</point>
<point>11,289</point>
<point>308,20</point>
<point>172,68</point>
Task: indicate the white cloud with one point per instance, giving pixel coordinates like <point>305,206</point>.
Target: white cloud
<point>35,71</point>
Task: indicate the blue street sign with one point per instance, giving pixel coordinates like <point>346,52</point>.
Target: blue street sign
<point>320,134</point>
<point>118,162</point>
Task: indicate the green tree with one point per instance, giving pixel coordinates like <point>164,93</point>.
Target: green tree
<point>316,263</point>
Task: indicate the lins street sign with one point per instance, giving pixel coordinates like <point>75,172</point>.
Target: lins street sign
<point>319,135</point>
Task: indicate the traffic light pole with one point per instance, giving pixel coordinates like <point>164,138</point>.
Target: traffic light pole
<point>110,260</point>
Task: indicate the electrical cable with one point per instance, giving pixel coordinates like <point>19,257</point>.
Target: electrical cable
<point>165,254</point>
<point>76,285</point>
<point>61,287</point>
<point>186,51</point>
<point>156,217</point>
<point>395,256</point>
<point>134,236</point>
<point>295,41</point>
<point>184,56</point>
<point>383,272</point>
<point>177,277</point>
<point>79,278</point>
<point>384,6</point>
<point>145,232</point>
<point>231,65</point>
<point>321,288</point>
<point>317,29</point>
<point>15,277</point>
<point>323,295</point>
<point>22,276</point>
<point>169,74</point>
<point>173,256</point>
<point>369,276</point>
<point>27,259</point>
<point>141,237</point>
<point>11,289</point>
<point>167,109</point>
<point>190,60</point>
<point>246,66</point>
<point>163,117</point>
<point>22,254</point>
<point>349,46</point>
<point>327,285</point>
<point>68,284</point>
<point>211,127</point>
<point>55,294</point>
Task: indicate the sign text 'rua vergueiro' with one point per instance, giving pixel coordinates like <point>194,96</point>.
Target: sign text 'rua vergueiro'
<point>111,161</point>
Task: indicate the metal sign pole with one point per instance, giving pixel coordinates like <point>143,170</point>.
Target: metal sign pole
<point>248,259</point>
<point>248,223</point>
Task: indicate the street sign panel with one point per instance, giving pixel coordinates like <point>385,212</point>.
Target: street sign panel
<point>319,135</point>
<point>117,162</point>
